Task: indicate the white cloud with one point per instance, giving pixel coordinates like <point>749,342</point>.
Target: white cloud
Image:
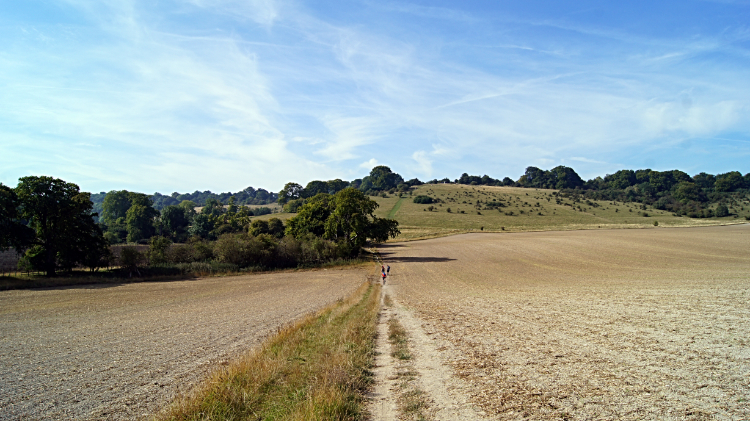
<point>368,165</point>
<point>423,163</point>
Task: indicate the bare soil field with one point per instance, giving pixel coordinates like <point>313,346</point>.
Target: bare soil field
<point>606,324</point>
<point>123,351</point>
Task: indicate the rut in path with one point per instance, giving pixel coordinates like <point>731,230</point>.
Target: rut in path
<point>445,396</point>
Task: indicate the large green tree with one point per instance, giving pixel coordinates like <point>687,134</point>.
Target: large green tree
<point>346,217</point>
<point>128,216</point>
<point>174,222</point>
<point>140,221</point>
<point>381,178</point>
<point>291,191</point>
<point>62,219</point>
<point>13,232</point>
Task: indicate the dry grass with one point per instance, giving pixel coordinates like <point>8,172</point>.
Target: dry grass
<point>532,210</point>
<point>412,401</point>
<point>399,340</point>
<point>316,369</point>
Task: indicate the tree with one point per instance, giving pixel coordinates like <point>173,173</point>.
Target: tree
<point>314,187</point>
<point>120,217</point>
<point>258,227</point>
<point>381,178</point>
<point>686,191</point>
<point>293,206</point>
<point>311,217</point>
<point>276,227</point>
<point>174,222</point>
<point>291,191</point>
<point>562,177</point>
<point>13,233</point>
<point>202,226</point>
<point>350,219</point>
<point>346,217</point>
<point>213,208</point>
<point>116,204</point>
<point>533,177</point>
<point>62,220</point>
<point>335,186</point>
<point>729,182</point>
<point>705,181</point>
<point>140,220</point>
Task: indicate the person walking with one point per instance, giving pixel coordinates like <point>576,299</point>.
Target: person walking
<point>388,269</point>
<point>383,277</point>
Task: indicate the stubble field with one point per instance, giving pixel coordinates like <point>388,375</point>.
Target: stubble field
<point>609,324</point>
<point>119,352</point>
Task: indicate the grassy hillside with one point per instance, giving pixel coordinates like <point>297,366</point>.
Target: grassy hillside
<point>532,210</point>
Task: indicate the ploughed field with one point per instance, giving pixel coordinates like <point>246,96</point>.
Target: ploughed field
<point>607,324</point>
<point>123,351</point>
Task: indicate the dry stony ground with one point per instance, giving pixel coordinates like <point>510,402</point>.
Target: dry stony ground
<point>614,325</point>
<point>123,351</point>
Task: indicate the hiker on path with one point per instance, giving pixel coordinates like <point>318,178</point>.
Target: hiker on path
<point>383,278</point>
<point>388,270</point>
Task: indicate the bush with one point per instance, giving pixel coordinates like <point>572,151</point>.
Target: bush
<point>722,210</point>
<point>158,250</point>
<point>262,211</point>
<point>425,200</point>
<point>181,253</point>
<point>131,259</point>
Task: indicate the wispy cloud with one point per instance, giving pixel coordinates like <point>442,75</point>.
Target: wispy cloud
<point>222,94</point>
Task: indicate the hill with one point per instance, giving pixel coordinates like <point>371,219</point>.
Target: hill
<point>514,209</point>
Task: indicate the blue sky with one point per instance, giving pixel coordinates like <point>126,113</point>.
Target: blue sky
<point>224,94</point>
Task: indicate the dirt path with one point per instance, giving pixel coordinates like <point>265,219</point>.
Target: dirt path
<point>122,352</point>
<point>629,324</point>
<point>447,397</point>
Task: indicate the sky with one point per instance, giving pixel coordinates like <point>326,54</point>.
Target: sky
<point>220,95</point>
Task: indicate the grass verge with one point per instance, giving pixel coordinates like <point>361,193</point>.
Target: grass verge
<point>412,401</point>
<point>316,369</point>
<point>396,207</point>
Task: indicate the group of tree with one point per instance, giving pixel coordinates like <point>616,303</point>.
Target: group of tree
<point>380,181</point>
<point>248,196</point>
<point>326,228</point>
<point>674,190</point>
<point>132,217</point>
<point>52,223</point>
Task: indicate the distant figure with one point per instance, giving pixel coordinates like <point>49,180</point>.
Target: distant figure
<point>382,269</point>
<point>383,278</point>
<point>388,270</point>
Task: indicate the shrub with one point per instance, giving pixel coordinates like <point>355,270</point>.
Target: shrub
<point>131,259</point>
<point>722,210</point>
<point>181,253</point>
<point>425,200</point>
<point>158,250</point>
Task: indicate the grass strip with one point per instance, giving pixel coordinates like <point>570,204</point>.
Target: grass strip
<point>398,339</point>
<point>316,369</point>
<point>395,208</point>
<point>412,401</point>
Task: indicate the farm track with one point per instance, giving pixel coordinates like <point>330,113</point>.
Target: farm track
<point>124,351</point>
<point>617,325</point>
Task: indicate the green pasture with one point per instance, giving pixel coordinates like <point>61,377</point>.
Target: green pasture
<point>471,210</point>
